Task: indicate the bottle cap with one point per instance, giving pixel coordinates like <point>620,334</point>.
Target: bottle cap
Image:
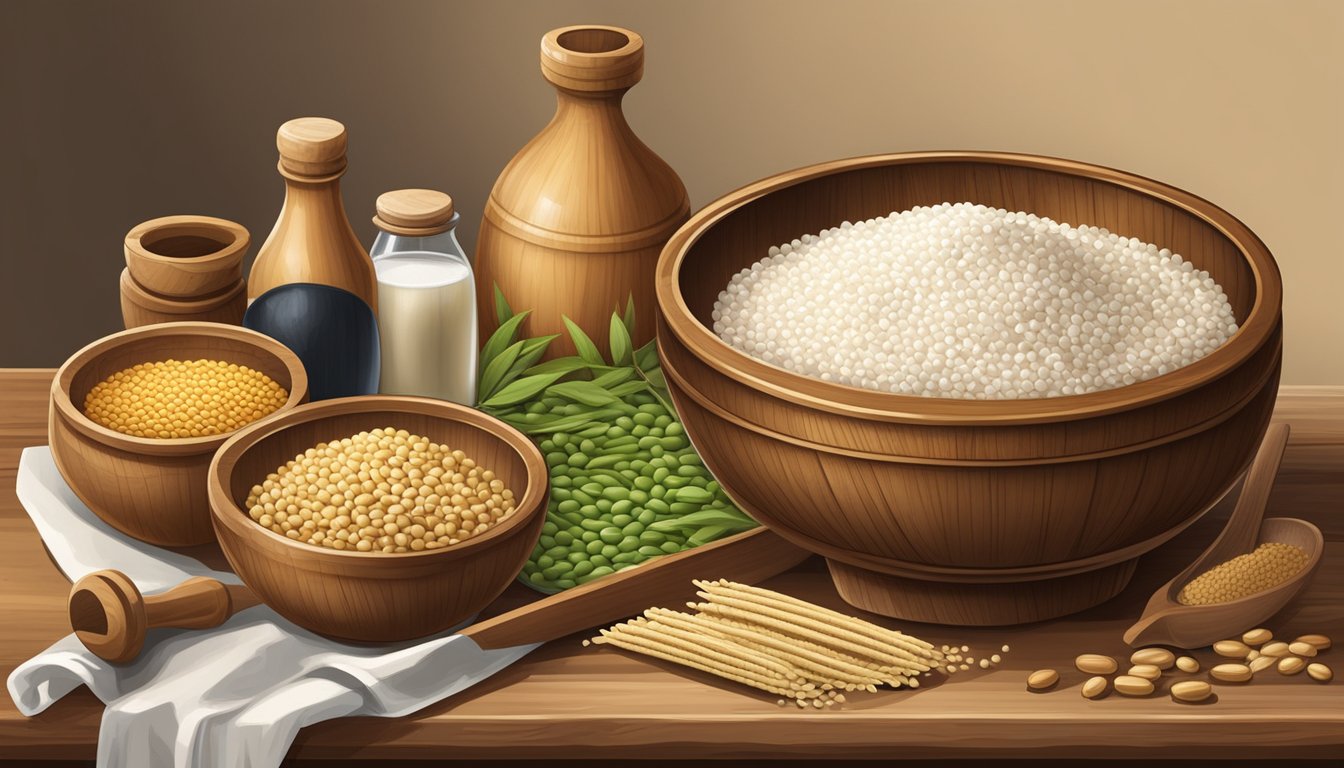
<point>414,212</point>
<point>311,146</point>
<point>592,58</point>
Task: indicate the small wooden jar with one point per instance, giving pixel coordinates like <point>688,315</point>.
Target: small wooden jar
<point>140,306</point>
<point>189,257</point>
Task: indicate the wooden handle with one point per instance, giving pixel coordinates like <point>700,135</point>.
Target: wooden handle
<point>747,557</point>
<point>1243,527</point>
<point>110,616</point>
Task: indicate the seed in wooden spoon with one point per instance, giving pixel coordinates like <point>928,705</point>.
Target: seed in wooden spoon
<point>1187,664</point>
<point>1042,679</point>
<point>1129,685</point>
<point>1276,649</point>
<point>1257,636</point>
<point>1231,649</point>
<point>1319,642</point>
<point>1158,657</point>
<point>1191,690</point>
<point>1145,671</point>
<point>1319,672</point>
<point>1262,663</point>
<point>1231,673</point>
<point>1270,565</point>
<point>1095,664</point>
<point>1300,648</point>
<point>1291,665</point>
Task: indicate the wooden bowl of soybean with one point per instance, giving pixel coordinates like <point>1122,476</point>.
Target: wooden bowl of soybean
<point>153,488</point>
<point>377,597</point>
<point>970,512</point>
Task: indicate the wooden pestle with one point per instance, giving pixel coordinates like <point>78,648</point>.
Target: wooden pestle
<point>110,616</point>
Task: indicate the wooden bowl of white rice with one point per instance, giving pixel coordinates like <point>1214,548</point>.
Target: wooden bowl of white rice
<point>980,384</point>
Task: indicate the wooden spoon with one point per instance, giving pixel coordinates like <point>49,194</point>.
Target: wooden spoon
<point>109,615</point>
<point>1166,621</point>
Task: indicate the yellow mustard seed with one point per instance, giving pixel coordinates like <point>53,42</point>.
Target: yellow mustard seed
<point>183,398</point>
<point>384,490</point>
<point>1271,564</point>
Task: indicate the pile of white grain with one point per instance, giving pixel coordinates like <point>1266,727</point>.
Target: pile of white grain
<point>964,301</point>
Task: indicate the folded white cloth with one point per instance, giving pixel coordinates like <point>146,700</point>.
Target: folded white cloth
<point>235,695</point>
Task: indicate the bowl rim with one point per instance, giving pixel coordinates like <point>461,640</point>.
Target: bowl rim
<point>223,259</point>
<point>677,319</point>
<point>172,446</point>
<point>224,511</point>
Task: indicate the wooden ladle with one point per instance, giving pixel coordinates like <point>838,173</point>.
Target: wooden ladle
<point>1166,621</point>
<point>109,615</point>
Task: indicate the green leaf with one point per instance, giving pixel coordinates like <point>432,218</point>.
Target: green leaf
<point>646,357</point>
<point>706,535</point>
<point>629,318</point>
<point>500,340</point>
<point>656,379</point>
<point>502,309</point>
<point>570,423</point>
<point>613,377</point>
<point>533,349</point>
<point>559,365</point>
<point>585,392</point>
<point>629,388</point>
<point>521,390</point>
<point>587,349</point>
<point>494,372</point>
<point>712,516</point>
<point>620,342</point>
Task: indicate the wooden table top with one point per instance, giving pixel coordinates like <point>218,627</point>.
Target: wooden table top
<point>566,701</point>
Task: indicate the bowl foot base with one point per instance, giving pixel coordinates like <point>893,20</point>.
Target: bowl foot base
<point>978,604</point>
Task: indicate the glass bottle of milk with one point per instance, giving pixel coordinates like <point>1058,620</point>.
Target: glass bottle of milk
<point>426,298</point>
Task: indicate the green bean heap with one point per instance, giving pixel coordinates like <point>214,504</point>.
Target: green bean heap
<point>626,484</point>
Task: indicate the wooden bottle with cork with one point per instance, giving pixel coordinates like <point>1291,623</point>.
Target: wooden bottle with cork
<point>576,221</point>
<point>312,241</point>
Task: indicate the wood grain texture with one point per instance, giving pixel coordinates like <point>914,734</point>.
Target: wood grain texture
<point>899,484</point>
<point>576,220</point>
<point>312,241</point>
<point>566,701</point>
<point>152,489</point>
<point>140,307</point>
<point>186,256</point>
<point>368,596</point>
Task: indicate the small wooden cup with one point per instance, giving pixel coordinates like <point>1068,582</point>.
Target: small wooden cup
<point>186,257</point>
<point>140,306</point>
<point>152,489</point>
<point>373,596</point>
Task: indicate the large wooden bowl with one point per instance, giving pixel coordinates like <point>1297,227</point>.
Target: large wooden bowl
<point>375,596</point>
<point>149,488</point>
<point>970,511</point>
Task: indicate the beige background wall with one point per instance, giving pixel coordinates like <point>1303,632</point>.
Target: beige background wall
<point>113,113</point>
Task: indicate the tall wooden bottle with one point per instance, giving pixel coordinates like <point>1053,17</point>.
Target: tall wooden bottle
<point>576,221</point>
<point>312,241</point>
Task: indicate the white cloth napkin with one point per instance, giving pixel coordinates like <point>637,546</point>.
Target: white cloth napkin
<point>235,695</point>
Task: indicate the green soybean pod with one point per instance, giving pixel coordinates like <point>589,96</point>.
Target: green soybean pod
<point>639,497</point>
<point>564,538</point>
<point>632,529</point>
<point>556,457</point>
<point>623,467</point>
<point>683,507</point>
<point>611,535</point>
<point>589,537</point>
<point>628,558</point>
<point>650,551</point>
<point>588,446</point>
<point>592,488</point>
<point>655,452</point>
<point>604,462</point>
<point>645,517</point>
<point>561,438</point>
<point>550,574</point>
<point>655,431</point>
<point>660,474</point>
<point>574,518</point>
<point>599,560</point>
<point>690,470</point>
<point>672,443</point>
<point>557,553</point>
<point>658,491</point>
<point>713,486</point>
<point>640,430</point>
<point>547,445</point>
<point>577,557</point>
<point>549,528</point>
<point>603,506</point>
<point>594,547</point>
<point>594,525</point>
<point>625,423</point>
<point>691,457</point>
<point>670,547</point>
<point>610,551</point>
<point>672,461</point>
<point>664,421</point>
<point>567,506</point>
<point>644,483</point>
<point>581,569</point>
<point>614,432</point>
<point>546,542</point>
<point>536,578</point>
<point>639,465</point>
<point>622,507</point>
<point>629,544</point>
<point>545,561</point>
<point>561,494</point>
<point>675,428</point>
<point>589,511</point>
<point>561,481</point>
<point>676,482</point>
<point>648,441</point>
<point>620,521</point>
<point>567,583</point>
<point>643,418</point>
<point>579,459</point>
<point>580,496</point>
<point>658,506</point>
<point>651,538</point>
<point>596,573</point>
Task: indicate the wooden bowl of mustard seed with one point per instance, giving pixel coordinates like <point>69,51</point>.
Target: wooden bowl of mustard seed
<point>136,416</point>
<point>378,518</point>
